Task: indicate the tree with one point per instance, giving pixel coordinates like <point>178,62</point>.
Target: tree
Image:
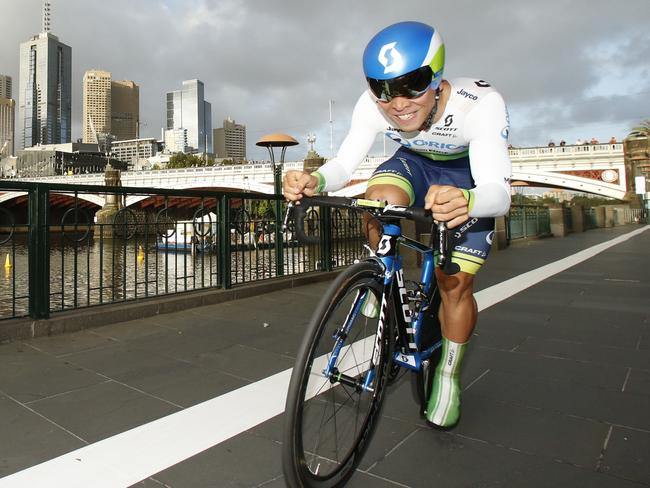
<point>182,160</point>
<point>644,128</point>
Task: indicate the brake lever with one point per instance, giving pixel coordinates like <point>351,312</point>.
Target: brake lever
<point>444,253</point>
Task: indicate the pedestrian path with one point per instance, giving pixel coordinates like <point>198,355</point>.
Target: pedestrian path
<point>557,387</point>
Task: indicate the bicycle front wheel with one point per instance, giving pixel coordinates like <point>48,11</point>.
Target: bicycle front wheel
<point>336,388</point>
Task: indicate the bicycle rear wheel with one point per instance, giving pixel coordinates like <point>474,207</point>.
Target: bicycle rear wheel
<point>336,390</point>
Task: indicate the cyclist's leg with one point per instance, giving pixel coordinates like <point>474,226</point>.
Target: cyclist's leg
<point>393,182</point>
<point>458,314</point>
<point>458,311</point>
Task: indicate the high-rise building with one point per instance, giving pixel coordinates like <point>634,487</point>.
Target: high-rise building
<point>5,86</point>
<point>7,117</point>
<point>44,89</point>
<point>96,105</point>
<point>109,107</point>
<point>125,110</point>
<point>187,109</point>
<point>230,140</point>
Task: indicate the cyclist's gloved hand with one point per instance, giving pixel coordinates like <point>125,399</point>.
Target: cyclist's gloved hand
<point>447,204</point>
<point>297,184</point>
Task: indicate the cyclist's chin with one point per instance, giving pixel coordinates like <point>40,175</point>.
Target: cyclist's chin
<point>409,125</point>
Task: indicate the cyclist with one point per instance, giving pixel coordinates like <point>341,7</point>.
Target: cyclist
<point>453,160</point>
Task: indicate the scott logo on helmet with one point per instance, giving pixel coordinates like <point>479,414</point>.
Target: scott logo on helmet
<point>390,58</point>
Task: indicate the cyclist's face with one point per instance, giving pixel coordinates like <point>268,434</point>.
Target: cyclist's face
<point>409,114</point>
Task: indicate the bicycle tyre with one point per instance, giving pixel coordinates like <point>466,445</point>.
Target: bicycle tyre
<point>312,397</point>
<point>422,380</point>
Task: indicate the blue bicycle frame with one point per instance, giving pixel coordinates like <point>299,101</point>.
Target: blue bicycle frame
<point>409,329</point>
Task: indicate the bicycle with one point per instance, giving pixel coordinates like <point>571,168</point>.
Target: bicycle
<point>349,355</point>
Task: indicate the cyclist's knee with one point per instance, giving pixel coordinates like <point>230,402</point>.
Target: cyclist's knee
<point>456,287</point>
<point>388,193</point>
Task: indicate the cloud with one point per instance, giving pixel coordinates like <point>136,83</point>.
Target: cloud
<point>274,65</point>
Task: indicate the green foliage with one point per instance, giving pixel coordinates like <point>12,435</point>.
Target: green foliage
<point>644,128</point>
<point>593,201</point>
<point>182,160</point>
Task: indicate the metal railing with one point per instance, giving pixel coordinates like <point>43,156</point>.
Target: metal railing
<point>525,221</point>
<point>61,252</point>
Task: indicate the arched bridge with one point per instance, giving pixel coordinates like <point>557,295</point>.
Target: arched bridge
<point>598,169</point>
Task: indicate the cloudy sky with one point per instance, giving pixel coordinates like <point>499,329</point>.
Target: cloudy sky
<point>567,69</point>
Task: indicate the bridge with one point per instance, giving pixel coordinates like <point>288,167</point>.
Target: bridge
<point>598,169</point>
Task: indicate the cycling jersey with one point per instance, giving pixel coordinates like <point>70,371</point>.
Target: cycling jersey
<point>474,124</point>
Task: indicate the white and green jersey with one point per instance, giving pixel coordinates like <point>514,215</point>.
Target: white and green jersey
<point>474,124</point>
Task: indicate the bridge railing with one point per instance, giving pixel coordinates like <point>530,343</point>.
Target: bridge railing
<point>524,221</point>
<point>62,253</point>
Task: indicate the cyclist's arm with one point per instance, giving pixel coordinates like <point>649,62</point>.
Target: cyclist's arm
<point>365,125</point>
<point>486,130</point>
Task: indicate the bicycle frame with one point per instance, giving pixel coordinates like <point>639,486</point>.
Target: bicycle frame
<point>408,327</point>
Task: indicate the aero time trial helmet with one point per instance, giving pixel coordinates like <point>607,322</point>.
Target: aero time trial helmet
<point>404,59</point>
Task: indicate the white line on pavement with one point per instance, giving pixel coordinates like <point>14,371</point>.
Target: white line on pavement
<point>126,458</point>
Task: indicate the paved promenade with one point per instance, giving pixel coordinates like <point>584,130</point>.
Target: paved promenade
<point>556,379</point>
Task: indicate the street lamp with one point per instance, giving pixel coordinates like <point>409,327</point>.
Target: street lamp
<point>283,141</point>
<point>277,140</point>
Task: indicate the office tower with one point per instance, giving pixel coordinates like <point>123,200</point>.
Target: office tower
<point>44,89</point>
<point>96,105</point>
<point>187,109</point>
<point>7,117</point>
<point>125,110</point>
<point>5,86</point>
<point>230,140</point>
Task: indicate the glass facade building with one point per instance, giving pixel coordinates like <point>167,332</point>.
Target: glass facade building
<point>187,109</point>
<point>44,92</point>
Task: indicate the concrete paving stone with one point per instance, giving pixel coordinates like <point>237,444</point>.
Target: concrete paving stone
<point>431,458</point>
<point>619,288</point>
<point>28,375</point>
<point>507,332</point>
<point>577,324</point>
<point>243,461</point>
<point>133,329</point>
<point>514,310</point>
<point>628,455</point>
<point>619,304</point>
<point>28,438</point>
<point>103,410</point>
<point>185,346</point>
<point>532,430</point>
<point>245,362</point>
<point>389,433</point>
<point>611,406</point>
<point>149,483</point>
<point>123,362</point>
<point>580,351</point>
<point>638,381</point>
<point>60,345</point>
<point>184,384</point>
<point>540,366</point>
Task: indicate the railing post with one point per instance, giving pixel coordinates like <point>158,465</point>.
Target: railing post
<point>279,254</point>
<point>225,265</point>
<point>39,253</point>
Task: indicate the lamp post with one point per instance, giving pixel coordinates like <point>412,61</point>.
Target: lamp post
<point>282,141</point>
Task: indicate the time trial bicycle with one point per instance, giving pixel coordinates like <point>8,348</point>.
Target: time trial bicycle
<point>351,352</point>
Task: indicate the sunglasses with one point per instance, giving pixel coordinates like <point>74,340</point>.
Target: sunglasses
<point>411,85</point>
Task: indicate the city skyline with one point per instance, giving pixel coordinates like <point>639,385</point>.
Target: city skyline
<point>564,71</point>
